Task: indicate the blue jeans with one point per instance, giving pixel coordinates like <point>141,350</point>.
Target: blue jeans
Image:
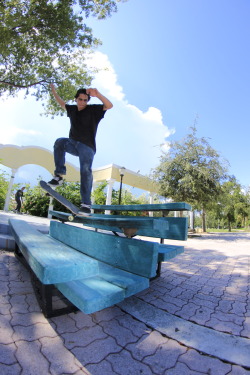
<point>86,155</point>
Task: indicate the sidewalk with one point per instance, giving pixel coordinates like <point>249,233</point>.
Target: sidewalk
<point>194,319</point>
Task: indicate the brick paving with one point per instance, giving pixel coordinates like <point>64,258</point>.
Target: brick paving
<point>212,293</point>
<point>207,285</point>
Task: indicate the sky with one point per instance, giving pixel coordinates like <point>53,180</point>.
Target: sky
<point>171,64</point>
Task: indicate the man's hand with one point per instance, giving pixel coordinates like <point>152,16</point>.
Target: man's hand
<point>93,92</point>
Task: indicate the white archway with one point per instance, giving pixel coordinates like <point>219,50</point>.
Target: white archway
<point>14,157</point>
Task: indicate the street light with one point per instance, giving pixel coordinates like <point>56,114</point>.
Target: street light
<point>122,173</point>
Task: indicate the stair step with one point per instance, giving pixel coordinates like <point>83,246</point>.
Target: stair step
<point>7,242</point>
<point>5,229</point>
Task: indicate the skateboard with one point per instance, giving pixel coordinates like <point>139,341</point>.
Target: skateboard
<point>65,202</point>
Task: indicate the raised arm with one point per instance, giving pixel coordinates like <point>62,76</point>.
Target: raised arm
<point>95,93</point>
<point>60,101</point>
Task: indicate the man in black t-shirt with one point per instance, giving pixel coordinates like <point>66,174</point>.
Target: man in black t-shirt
<point>19,199</point>
<point>84,120</point>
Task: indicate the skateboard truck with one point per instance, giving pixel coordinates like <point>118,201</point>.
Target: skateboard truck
<point>129,232</point>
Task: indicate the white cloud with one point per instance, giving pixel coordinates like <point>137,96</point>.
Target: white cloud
<point>106,78</point>
<point>127,136</point>
<point>22,125</point>
<point>11,133</point>
<point>153,114</point>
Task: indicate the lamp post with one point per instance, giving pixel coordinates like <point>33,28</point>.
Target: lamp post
<point>122,172</point>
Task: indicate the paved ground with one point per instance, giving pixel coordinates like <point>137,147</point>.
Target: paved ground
<point>194,319</point>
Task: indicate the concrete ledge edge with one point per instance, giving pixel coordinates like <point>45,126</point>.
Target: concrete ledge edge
<point>227,347</point>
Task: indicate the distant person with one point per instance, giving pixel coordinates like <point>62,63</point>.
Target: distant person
<point>19,199</point>
<point>84,120</point>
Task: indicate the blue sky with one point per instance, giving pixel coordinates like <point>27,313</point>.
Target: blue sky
<point>170,62</point>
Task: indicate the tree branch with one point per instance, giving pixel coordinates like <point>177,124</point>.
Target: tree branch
<point>24,29</point>
<point>24,87</point>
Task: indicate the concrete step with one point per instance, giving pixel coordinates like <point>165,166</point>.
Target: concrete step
<point>7,242</point>
<point>5,229</point>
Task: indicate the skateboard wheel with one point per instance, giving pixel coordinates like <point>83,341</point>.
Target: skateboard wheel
<point>71,218</point>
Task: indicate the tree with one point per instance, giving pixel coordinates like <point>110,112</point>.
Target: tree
<point>36,202</point>
<point>4,183</point>
<point>214,215</point>
<point>247,199</point>
<point>234,203</point>
<point>99,194</point>
<point>192,171</point>
<point>128,198</point>
<point>44,41</point>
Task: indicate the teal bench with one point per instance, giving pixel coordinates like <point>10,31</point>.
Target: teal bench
<point>92,270</point>
<point>82,268</point>
<point>174,228</point>
<point>165,227</point>
<point>163,207</point>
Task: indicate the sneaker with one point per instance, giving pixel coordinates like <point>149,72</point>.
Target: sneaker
<point>85,210</point>
<point>56,181</point>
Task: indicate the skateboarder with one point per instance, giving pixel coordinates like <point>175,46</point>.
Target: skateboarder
<point>19,199</point>
<point>84,120</point>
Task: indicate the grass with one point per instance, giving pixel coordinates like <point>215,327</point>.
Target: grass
<point>234,230</point>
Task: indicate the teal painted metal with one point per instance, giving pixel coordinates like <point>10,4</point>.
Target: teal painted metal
<point>135,256</point>
<point>110,287</point>
<point>167,252</point>
<point>92,294</point>
<point>50,260</point>
<point>97,220</point>
<point>175,228</point>
<point>130,282</point>
<point>94,270</point>
<point>175,206</point>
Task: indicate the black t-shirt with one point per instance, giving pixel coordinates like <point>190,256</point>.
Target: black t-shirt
<point>84,123</point>
<point>19,194</point>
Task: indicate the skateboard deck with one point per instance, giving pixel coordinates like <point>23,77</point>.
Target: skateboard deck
<point>65,202</point>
